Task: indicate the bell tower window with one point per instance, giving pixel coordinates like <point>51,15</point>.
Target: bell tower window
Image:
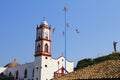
<point>46,34</point>
<point>39,34</point>
<point>38,47</point>
<point>46,48</point>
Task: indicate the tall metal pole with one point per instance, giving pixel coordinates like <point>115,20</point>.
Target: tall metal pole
<point>65,9</point>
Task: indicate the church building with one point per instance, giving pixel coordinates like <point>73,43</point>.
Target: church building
<point>44,67</point>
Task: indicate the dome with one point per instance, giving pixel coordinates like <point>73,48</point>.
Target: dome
<point>44,23</point>
<point>12,64</point>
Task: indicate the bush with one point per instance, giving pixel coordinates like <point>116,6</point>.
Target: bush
<point>86,62</point>
<point>3,77</point>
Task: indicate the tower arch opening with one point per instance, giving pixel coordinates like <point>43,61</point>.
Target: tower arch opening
<point>46,47</point>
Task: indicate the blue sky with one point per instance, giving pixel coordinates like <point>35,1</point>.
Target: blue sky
<point>98,22</point>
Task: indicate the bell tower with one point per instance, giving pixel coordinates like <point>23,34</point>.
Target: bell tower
<point>42,51</point>
<point>44,65</point>
<point>43,40</point>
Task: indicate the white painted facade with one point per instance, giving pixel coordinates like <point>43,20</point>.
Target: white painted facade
<point>21,70</point>
<point>2,69</point>
<point>44,65</point>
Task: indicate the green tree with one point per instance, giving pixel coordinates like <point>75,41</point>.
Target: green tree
<point>86,62</point>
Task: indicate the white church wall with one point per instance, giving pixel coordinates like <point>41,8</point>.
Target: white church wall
<point>37,68</point>
<point>61,61</point>
<point>46,68</point>
<point>2,69</point>
<point>69,66</point>
<point>52,66</point>
<point>21,70</point>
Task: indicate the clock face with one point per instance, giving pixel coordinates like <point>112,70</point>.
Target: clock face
<point>46,34</point>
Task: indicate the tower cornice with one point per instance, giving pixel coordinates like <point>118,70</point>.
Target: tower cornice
<point>49,55</point>
<point>43,39</point>
<point>42,27</point>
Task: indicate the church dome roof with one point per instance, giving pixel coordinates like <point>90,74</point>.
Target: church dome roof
<point>44,23</point>
<point>12,64</point>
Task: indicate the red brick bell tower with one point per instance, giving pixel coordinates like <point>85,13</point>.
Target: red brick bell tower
<point>43,40</point>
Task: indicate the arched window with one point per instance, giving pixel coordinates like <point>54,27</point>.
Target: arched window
<point>33,73</point>
<point>39,34</point>
<point>17,73</point>
<point>46,34</point>
<point>46,48</point>
<point>10,74</point>
<point>38,47</point>
<point>25,73</point>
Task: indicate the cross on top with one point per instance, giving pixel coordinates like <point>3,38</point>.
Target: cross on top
<point>43,18</point>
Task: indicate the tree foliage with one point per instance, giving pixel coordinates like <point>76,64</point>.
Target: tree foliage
<point>4,77</point>
<point>86,62</point>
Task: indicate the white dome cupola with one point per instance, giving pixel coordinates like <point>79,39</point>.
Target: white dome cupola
<point>44,22</point>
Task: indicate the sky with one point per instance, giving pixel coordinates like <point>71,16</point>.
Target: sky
<point>98,22</point>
